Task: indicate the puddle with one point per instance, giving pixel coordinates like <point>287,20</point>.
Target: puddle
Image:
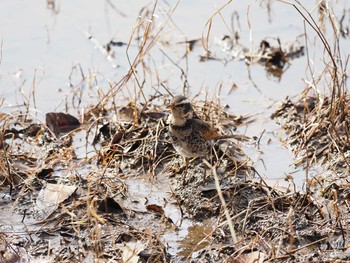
<point>15,228</point>
<point>198,237</point>
<point>182,239</point>
<point>157,191</point>
<point>142,191</point>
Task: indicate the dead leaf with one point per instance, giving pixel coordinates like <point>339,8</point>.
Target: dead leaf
<point>131,252</point>
<point>155,208</point>
<point>117,137</point>
<point>109,205</point>
<point>51,196</point>
<point>253,257</point>
<point>59,122</point>
<point>46,172</point>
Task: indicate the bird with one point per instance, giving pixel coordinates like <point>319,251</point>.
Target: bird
<point>190,136</point>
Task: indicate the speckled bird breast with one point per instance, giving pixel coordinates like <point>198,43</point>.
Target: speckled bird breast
<point>187,141</point>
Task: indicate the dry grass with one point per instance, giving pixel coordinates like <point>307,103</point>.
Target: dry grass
<point>129,140</point>
<point>318,122</point>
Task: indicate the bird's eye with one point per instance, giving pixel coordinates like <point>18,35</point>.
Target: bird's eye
<point>186,107</point>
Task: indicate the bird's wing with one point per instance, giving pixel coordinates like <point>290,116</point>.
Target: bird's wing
<point>208,132</point>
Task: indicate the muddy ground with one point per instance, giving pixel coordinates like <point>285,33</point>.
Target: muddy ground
<point>98,181</point>
<point>134,195</point>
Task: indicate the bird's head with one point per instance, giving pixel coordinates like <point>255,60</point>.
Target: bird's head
<point>181,110</point>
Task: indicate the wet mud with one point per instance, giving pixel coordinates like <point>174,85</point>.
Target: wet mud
<point>99,181</point>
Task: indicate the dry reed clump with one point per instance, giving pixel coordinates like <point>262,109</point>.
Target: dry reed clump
<point>135,140</point>
<point>317,135</point>
<point>317,127</point>
<point>140,141</point>
<point>317,124</point>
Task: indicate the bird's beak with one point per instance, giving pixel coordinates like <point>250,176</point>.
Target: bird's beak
<point>170,107</point>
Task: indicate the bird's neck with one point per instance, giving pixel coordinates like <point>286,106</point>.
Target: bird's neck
<point>178,121</point>
<point>182,119</point>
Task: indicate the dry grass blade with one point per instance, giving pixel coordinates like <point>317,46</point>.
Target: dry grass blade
<point>208,25</point>
<point>223,203</point>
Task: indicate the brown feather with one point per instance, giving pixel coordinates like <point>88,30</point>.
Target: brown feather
<point>208,132</point>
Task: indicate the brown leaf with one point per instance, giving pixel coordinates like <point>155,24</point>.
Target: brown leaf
<point>109,205</point>
<point>46,172</point>
<point>117,137</point>
<point>51,196</point>
<point>59,122</point>
<point>155,208</point>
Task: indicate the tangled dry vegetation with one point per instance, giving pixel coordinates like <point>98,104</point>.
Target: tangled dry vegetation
<point>73,206</point>
<point>66,191</point>
<point>317,124</point>
<point>318,132</point>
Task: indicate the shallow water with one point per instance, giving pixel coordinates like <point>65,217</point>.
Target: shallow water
<point>41,47</point>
